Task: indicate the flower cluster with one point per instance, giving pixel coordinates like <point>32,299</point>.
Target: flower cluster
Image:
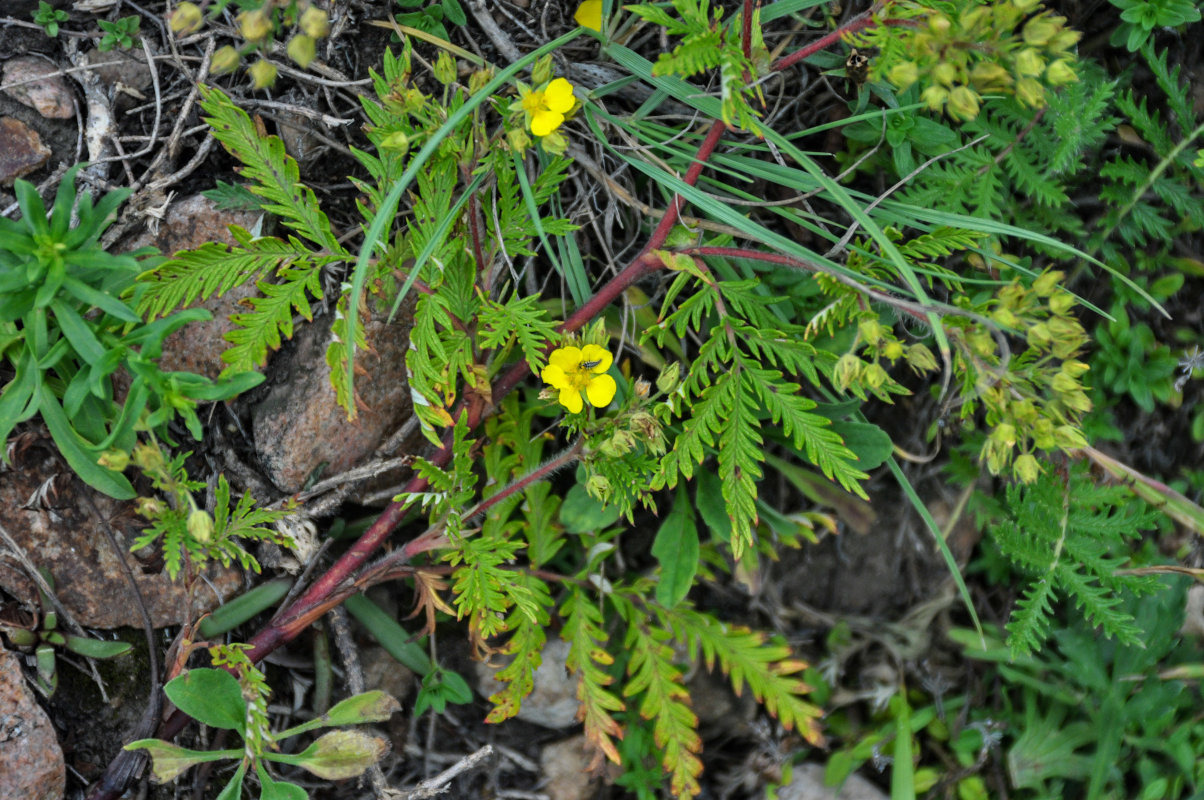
<point>573,370</point>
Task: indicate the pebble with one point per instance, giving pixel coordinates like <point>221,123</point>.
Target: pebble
<point>39,85</point>
<point>553,702</point>
<point>21,150</point>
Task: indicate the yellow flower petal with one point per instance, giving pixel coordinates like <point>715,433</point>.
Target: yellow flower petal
<point>559,96</point>
<point>592,353</point>
<point>589,15</point>
<point>571,399</point>
<point>601,391</point>
<point>567,358</point>
<point>554,376</point>
<point>544,122</point>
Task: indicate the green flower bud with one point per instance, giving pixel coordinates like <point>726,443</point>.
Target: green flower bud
<point>1026,469</point>
<point>518,139</point>
<point>254,26</point>
<point>1029,63</point>
<point>148,457</point>
<point>944,73</point>
<point>846,371</point>
<point>224,61</point>
<point>263,74</point>
<point>1043,434</point>
<point>554,143</point>
<point>963,103</point>
<point>1061,303</point>
<point>200,526</point>
<point>920,358</point>
<point>1004,434</point>
<point>1070,437</point>
<point>541,72</point>
<point>903,74</point>
<point>990,76</point>
<point>981,343</point>
<point>1074,368</point>
<point>619,444</point>
<point>1065,40</point>
<point>938,23</point>
<point>301,50</point>
<point>445,68</point>
<point>187,18</point>
<point>1005,317</point>
<point>870,330</point>
<point>875,376</point>
<point>1030,92</point>
<point>1064,384</point>
<point>1047,283</point>
<point>149,507</point>
<point>1040,30</point>
<point>1079,401</point>
<point>315,22</point>
<point>116,460</point>
<point>598,486</point>
<point>1038,335</point>
<point>667,380</point>
<point>1024,6</point>
<point>1060,73</point>
<point>893,350</point>
<point>934,97</point>
<point>478,79</point>
<point>397,141</point>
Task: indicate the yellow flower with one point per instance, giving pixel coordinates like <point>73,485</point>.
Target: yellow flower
<point>547,107</point>
<point>572,370</point>
<point>589,15</point>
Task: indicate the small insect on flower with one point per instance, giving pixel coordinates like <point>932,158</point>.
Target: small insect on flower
<point>573,370</point>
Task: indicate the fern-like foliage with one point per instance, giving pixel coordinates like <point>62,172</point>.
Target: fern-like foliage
<point>737,379</point>
<point>1063,531</point>
<point>709,43</point>
<point>584,629</point>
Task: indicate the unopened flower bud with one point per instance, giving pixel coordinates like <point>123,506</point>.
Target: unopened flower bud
<point>518,139</point>
<point>938,23</point>
<point>1004,434</point>
<point>254,26</point>
<point>1029,63</point>
<point>301,50</point>
<point>934,97</point>
<point>642,387</point>
<point>597,486</point>
<point>149,507</point>
<point>396,141</point>
<point>963,103</point>
<point>1047,283</point>
<point>870,330</point>
<point>187,18</point>
<point>903,74</point>
<point>1060,303</point>
<point>875,376</point>
<point>619,444</point>
<point>1026,469</point>
<point>667,380</point>
<point>989,76</point>
<point>315,22</point>
<point>445,68</point>
<point>920,358</point>
<point>148,457</point>
<point>1074,368</point>
<point>478,79</point>
<point>200,526</point>
<point>893,350</point>
<point>944,73</point>
<point>116,460</point>
<point>224,61</point>
<point>846,371</point>
<point>1060,73</point>
<point>263,74</point>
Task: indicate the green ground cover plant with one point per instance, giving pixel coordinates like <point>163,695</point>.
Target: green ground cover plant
<point>763,353</point>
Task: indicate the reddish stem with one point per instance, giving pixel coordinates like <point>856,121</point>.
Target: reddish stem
<point>860,23</point>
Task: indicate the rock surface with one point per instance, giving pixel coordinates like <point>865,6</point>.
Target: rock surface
<point>39,84</point>
<point>807,783</point>
<point>43,509</point>
<point>21,150</point>
<point>31,762</point>
<point>566,769</point>
<point>300,427</point>
<point>553,702</point>
<point>188,224</point>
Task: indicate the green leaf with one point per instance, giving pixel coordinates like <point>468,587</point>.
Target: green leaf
<point>168,760</point>
<point>392,637</point>
<point>869,443</point>
<point>374,706</point>
<point>233,789</point>
<point>277,790</point>
<point>676,549</point>
<point>211,696</point>
<point>709,499</point>
<point>580,513</point>
<point>80,456</point>
<point>95,648</point>
<point>230,615</point>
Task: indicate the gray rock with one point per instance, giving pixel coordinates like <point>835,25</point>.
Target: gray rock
<point>566,769</point>
<point>553,702</point>
<point>807,783</point>
<point>31,762</point>
<point>39,85</point>
<point>300,426</point>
